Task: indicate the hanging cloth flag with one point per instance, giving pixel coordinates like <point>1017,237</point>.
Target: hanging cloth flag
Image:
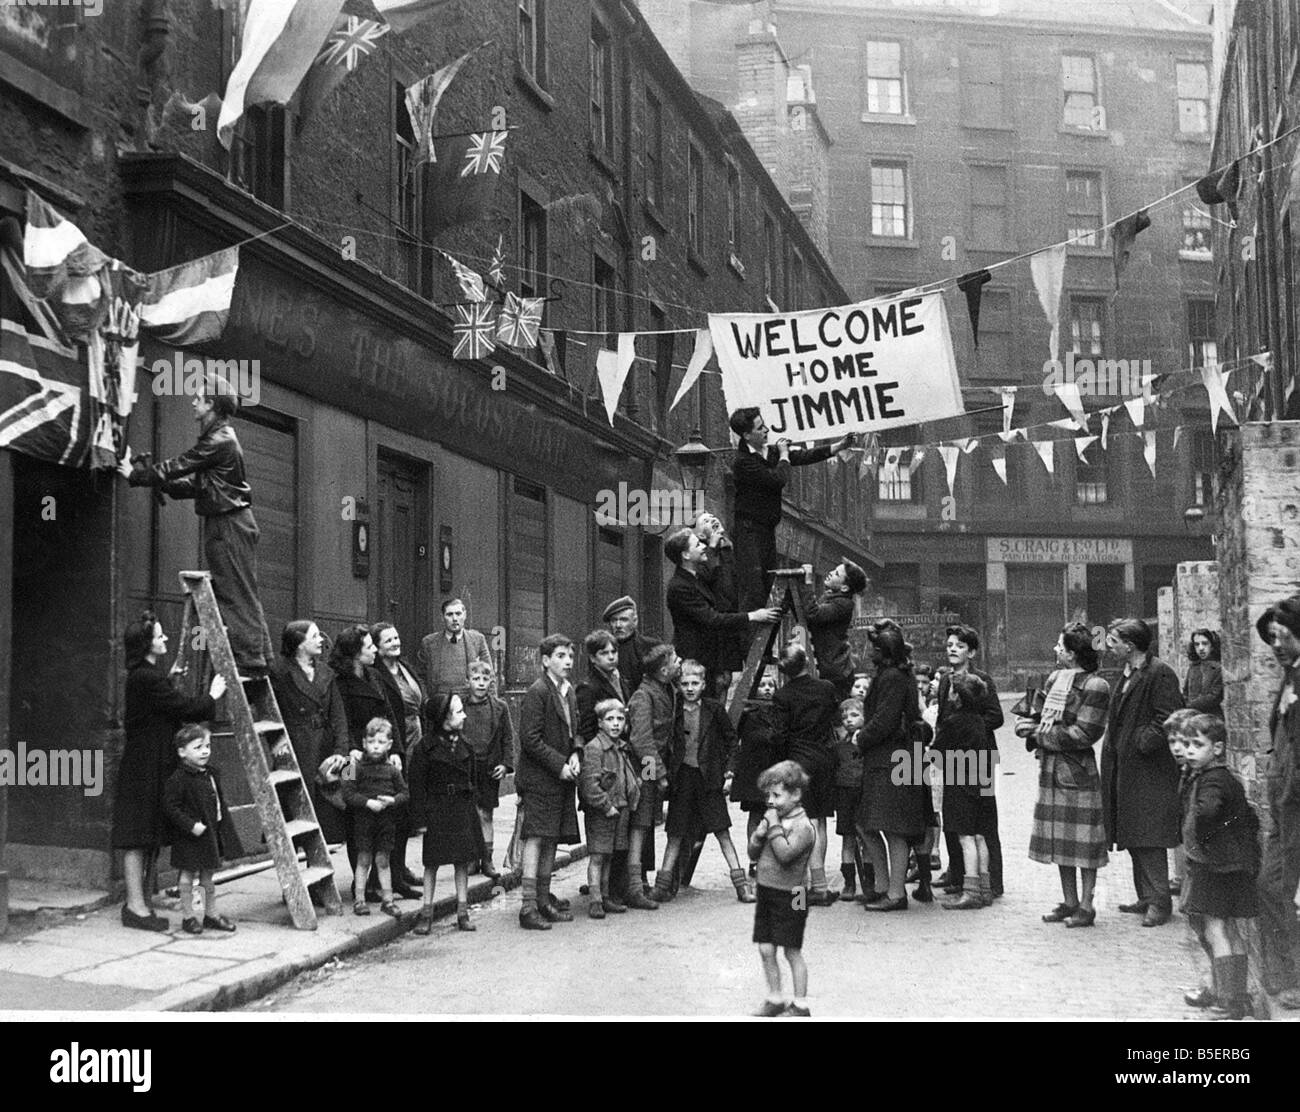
<point>968,445</point>
<point>951,453</point>
<point>1082,444</point>
<point>1178,431</point>
<point>918,457</point>
<point>474,330</point>
<point>1136,411</point>
<point>699,358</point>
<point>890,467</point>
<point>520,319</point>
<point>1063,423</point>
<point>496,269</point>
<point>1105,429</point>
<point>1212,380</point>
<point>612,369</point>
<point>422,104</point>
<point>350,42</point>
<point>1149,451</point>
<point>281,39</point>
<point>1011,435</point>
<point>1122,239</point>
<point>460,185</point>
<point>1220,187</point>
<point>402,15</point>
<point>190,303</point>
<point>1008,406</point>
<point>1048,269</point>
<point>111,364</point>
<point>471,284</point>
<point>998,457</point>
<point>553,344</point>
<point>1264,360</point>
<point>1070,397</point>
<point>972,285</point>
<point>55,250</point>
<point>1046,452</point>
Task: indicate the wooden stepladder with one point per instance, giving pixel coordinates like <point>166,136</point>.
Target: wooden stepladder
<point>280,794</point>
<point>765,648</point>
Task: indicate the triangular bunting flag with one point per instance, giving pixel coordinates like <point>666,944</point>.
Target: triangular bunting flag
<point>1008,406</point>
<point>1264,360</point>
<point>1123,236</point>
<point>1178,431</point>
<point>422,104</point>
<point>968,445</point>
<point>1105,430</point>
<point>1046,452</point>
<point>1068,392</point>
<point>1063,423</point>
<point>972,285</point>
<point>1136,411</point>
<point>699,358</point>
<point>1149,451</point>
<point>553,343</point>
<point>1011,435</point>
<point>612,369</point>
<point>1048,269</point>
<point>999,460</point>
<point>1082,444</point>
<point>950,453</point>
<point>471,284</point>
<point>1212,380</point>
<point>918,457</point>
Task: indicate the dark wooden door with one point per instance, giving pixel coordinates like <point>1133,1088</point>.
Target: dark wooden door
<point>401,551</point>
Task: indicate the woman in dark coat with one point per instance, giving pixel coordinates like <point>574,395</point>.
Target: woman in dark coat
<point>314,718</point>
<point>1203,687</point>
<point>155,709</point>
<point>897,810</point>
<point>442,802</point>
<point>804,714</point>
<point>1068,830</point>
<point>362,693</point>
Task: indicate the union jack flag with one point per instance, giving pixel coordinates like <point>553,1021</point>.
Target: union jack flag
<point>485,153</point>
<point>521,317</point>
<point>352,41</point>
<point>496,271</point>
<point>474,331</point>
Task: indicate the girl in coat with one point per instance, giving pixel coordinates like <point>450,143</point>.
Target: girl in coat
<point>442,802</point>
<point>1203,687</point>
<point>155,708</point>
<point>202,831</point>
<point>1069,831</point>
<point>1221,839</point>
<point>963,740</point>
<point>755,754</point>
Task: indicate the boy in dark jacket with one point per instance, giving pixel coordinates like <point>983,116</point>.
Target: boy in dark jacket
<point>202,830</point>
<point>375,792</point>
<point>490,735</point>
<point>609,788</point>
<point>848,789</point>
<point>700,771</point>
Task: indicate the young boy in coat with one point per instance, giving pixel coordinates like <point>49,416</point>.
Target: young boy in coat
<point>490,735</point>
<point>699,772</point>
<point>848,788</point>
<point>202,830</point>
<point>652,711</point>
<point>376,794</point>
<point>550,759</point>
<point>609,788</point>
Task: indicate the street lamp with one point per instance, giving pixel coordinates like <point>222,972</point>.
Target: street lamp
<point>693,460</point>
<point>1193,515</point>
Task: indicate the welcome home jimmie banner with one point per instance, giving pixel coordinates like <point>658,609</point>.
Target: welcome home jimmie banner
<point>819,374</point>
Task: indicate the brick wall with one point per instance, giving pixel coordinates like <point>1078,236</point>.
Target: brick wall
<point>1195,596</point>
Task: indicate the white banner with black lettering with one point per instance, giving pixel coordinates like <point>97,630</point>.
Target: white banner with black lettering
<point>819,374</point>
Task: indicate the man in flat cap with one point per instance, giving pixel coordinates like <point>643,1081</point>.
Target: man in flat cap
<point>623,620</point>
<point>1279,873</point>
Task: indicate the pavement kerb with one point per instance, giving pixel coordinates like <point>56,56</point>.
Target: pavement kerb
<point>205,997</point>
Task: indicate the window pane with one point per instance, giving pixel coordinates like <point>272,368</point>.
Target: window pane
<point>884,59</point>
<point>1086,326</point>
<point>885,78</point>
<point>1083,207</point>
<point>888,200</point>
<point>988,205</point>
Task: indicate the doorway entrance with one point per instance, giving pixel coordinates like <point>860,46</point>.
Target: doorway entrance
<point>1035,613</point>
<point>402,549</point>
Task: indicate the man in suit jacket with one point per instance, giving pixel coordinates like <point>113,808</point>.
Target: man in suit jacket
<point>829,617</point>
<point>550,758</point>
<point>446,656</point>
<point>761,474</point>
<point>1139,778</point>
<point>1279,873</point>
<point>624,623</point>
<point>699,627</point>
<point>962,645</point>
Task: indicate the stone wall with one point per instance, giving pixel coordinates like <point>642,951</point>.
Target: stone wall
<point>1195,603</point>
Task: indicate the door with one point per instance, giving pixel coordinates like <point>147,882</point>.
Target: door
<point>270,446</point>
<point>1035,613</point>
<point>402,547</point>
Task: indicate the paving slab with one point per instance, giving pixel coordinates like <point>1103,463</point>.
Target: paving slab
<point>155,971</point>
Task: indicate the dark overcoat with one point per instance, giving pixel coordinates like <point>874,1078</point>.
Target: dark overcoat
<point>756,754</point>
<point>317,725</point>
<point>702,630</point>
<point>890,708</point>
<point>596,688</point>
<point>1139,778</point>
<point>545,744</point>
<point>363,699</point>
<point>155,710</point>
<point>631,653</point>
<point>804,712</point>
<point>829,618</point>
<point>191,796</point>
<point>717,745</point>
<point>443,793</point>
<point>1203,688</point>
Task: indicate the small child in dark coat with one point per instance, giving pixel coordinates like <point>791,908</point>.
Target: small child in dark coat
<point>609,787</point>
<point>202,830</point>
<point>848,790</point>
<point>755,753</point>
<point>1221,840</point>
<point>966,749</point>
<point>375,793</point>
<point>490,735</point>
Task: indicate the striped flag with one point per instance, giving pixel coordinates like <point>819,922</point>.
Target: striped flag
<point>422,104</point>
<point>280,40</point>
<point>55,250</point>
<point>474,331</point>
<point>190,303</point>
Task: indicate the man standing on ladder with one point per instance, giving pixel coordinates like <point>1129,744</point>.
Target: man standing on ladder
<point>212,473</point>
<point>761,474</point>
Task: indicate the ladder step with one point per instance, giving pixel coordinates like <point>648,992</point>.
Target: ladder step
<point>316,873</point>
<point>296,828</point>
<point>284,776</point>
<point>267,726</point>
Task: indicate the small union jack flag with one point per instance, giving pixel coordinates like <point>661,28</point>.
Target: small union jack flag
<point>485,153</point>
<point>473,331</point>
<point>471,285</point>
<point>496,271</point>
<point>352,41</point>
<point>521,317</point>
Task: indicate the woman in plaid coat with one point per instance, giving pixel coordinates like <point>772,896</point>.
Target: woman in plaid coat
<point>1069,831</point>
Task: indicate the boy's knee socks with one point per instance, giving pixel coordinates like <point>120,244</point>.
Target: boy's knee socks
<point>818,880</point>
<point>529,889</point>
